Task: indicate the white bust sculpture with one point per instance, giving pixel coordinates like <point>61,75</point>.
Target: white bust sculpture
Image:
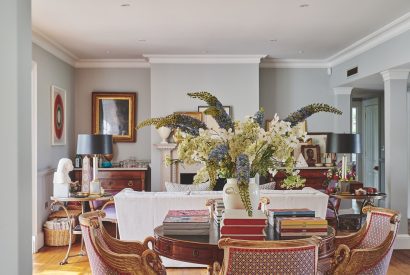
<point>61,180</point>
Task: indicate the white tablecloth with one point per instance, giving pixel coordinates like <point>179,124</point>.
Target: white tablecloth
<point>138,213</point>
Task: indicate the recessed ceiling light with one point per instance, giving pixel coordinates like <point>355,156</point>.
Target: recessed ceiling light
<point>204,52</point>
<point>142,40</point>
<point>273,40</point>
<point>300,51</point>
<point>303,5</point>
<point>125,5</point>
<point>107,51</point>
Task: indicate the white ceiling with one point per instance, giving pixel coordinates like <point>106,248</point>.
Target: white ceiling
<point>91,28</point>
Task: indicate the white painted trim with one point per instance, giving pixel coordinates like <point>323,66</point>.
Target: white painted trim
<point>402,241</point>
<point>343,90</point>
<point>34,186</point>
<point>112,63</point>
<point>395,74</point>
<point>204,59</point>
<point>385,33</point>
<point>53,47</point>
<point>293,63</point>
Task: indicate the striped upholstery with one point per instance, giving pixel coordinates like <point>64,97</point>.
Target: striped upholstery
<point>98,266</point>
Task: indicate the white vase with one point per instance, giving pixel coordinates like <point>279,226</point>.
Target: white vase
<point>232,198</point>
<point>164,133</point>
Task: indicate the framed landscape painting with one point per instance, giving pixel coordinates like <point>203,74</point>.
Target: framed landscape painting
<point>209,121</point>
<point>58,116</point>
<point>114,114</point>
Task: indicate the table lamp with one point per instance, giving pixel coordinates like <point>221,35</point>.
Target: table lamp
<point>94,145</point>
<point>345,144</point>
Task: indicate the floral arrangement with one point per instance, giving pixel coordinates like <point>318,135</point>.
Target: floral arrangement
<point>335,173</point>
<point>238,149</point>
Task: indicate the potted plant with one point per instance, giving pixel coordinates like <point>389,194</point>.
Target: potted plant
<point>238,150</point>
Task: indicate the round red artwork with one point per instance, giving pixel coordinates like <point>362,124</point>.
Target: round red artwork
<point>58,116</point>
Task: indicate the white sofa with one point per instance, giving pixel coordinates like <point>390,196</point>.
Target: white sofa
<point>138,213</point>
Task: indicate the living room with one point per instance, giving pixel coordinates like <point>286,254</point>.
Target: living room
<point>273,55</point>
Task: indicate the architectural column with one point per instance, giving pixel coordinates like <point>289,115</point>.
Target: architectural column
<point>396,142</point>
<point>167,173</point>
<point>343,103</point>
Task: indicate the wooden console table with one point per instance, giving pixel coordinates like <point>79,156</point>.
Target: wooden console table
<point>315,177</point>
<point>113,180</point>
<point>204,249</point>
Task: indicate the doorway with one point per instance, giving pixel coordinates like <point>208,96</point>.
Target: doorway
<point>34,213</point>
<point>368,121</point>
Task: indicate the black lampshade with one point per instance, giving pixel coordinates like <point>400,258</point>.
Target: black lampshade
<point>343,143</point>
<point>94,144</point>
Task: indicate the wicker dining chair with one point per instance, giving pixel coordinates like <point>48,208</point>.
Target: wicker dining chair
<point>269,257</point>
<point>108,255</point>
<point>369,250</point>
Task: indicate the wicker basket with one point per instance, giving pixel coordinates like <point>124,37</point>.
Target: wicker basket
<point>57,237</point>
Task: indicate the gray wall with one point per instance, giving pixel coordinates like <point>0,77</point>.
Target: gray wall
<point>52,71</point>
<point>15,119</point>
<point>114,80</point>
<point>387,55</point>
<point>235,85</point>
<point>283,91</point>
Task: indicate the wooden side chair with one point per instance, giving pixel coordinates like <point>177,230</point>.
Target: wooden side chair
<point>269,257</point>
<point>108,255</point>
<point>369,250</point>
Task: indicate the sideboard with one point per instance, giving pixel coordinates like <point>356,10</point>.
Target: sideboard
<point>315,177</point>
<point>114,180</point>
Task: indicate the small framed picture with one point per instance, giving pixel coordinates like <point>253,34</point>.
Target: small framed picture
<point>311,153</point>
<point>209,121</point>
<point>58,116</point>
<point>197,115</point>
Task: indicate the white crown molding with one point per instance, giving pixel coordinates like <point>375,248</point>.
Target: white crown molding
<point>385,33</point>
<point>53,47</point>
<point>343,90</point>
<point>395,74</point>
<point>203,59</point>
<point>112,63</point>
<point>293,63</point>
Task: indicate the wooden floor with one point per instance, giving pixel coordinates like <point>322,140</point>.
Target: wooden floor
<point>46,262</point>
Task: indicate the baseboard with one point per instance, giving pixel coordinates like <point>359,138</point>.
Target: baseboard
<point>38,242</point>
<point>402,241</point>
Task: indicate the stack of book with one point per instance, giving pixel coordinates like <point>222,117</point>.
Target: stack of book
<point>236,224</point>
<point>301,226</point>
<point>218,207</point>
<point>281,213</point>
<point>186,222</point>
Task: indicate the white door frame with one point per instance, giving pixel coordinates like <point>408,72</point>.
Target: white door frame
<point>34,155</point>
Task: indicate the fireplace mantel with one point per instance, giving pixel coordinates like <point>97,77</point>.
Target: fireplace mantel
<point>167,173</point>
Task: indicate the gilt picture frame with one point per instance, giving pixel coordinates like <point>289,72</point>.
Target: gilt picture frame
<point>197,115</point>
<point>115,114</point>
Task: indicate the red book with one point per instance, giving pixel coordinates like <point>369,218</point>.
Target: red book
<point>240,217</point>
<point>245,237</point>
<point>283,230</point>
<point>242,230</point>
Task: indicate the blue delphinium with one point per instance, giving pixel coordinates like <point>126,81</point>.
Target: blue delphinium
<point>305,112</point>
<point>259,117</point>
<point>216,109</point>
<point>218,153</point>
<point>242,175</point>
